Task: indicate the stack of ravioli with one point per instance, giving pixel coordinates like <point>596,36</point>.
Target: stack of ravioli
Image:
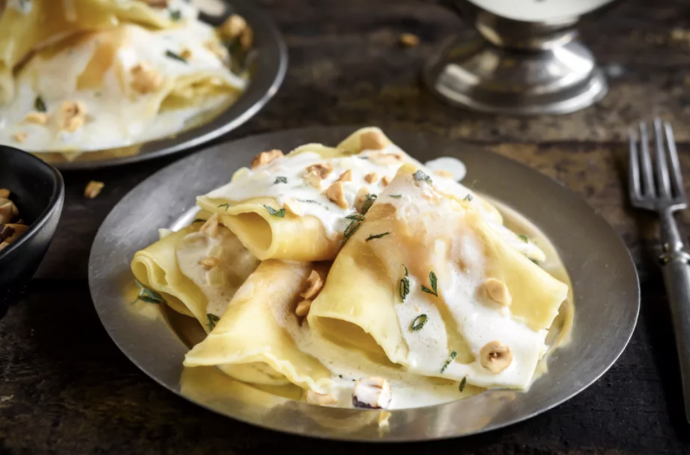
<point>359,276</point>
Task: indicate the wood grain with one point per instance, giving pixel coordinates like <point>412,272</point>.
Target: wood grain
<point>66,388</point>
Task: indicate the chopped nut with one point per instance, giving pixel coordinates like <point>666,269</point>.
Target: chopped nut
<point>372,393</point>
<point>336,194</point>
<point>314,285</point>
<point>386,158</point>
<point>247,39</point>
<point>39,118</point>
<point>20,137</point>
<point>294,207</point>
<point>218,50</point>
<point>233,27</point>
<point>495,356</point>
<point>360,198</point>
<point>71,116</point>
<point>4,193</point>
<point>443,173</point>
<point>264,158</point>
<point>322,169</point>
<point>210,227</point>
<point>409,40</point>
<point>372,177</point>
<point>313,179</point>
<point>373,140</point>
<point>322,399</point>
<point>498,291</point>
<point>383,418</point>
<point>7,210</point>
<point>302,308</point>
<point>144,79</point>
<point>345,176</point>
<point>186,54</point>
<point>93,189</point>
<point>386,180</point>
<point>209,263</point>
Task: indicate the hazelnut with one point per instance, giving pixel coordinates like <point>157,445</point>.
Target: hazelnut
<point>314,285</point>
<point>372,393</point>
<point>93,189</point>
<point>361,197</point>
<point>293,206</point>
<point>373,140</point>
<point>4,193</point>
<point>409,40</point>
<point>209,263</point>
<point>210,227</point>
<point>386,158</point>
<point>345,176</point>
<point>322,169</point>
<point>498,291</point>
<point>372,177</point>
<point>313,179</point>
<point>302,308</point>
<point>186,54</point>
<point>7,210</point>
<point>322,399</point>
<point>71,115</point>
<point>335,194</point>
<point>443,173</point>
<point>264,158</point>
<point>495,356</point>
<point>144,79</point>
<point>385,180</point>
<point>247,39</point>
<point>39,118</point>
<point>233,27</point>
<point>20,137</point>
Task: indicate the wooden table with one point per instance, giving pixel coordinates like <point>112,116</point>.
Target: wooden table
<point>66,388</point>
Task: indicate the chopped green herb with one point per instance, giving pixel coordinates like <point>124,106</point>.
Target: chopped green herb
<point>368,202</point>
<point>199,220</point>
<point>419,322</point>
<point>468,198</point>
<point>312,201</point>
<point>524,238</point>
<point>377,236</point>
<point>452,357</point>
<point>174,56</point>
<point>211,321</point>
<point>434,283</point>
<point>340,376</point>
<point>277,213</point>
<point>363,157</point>
<point>463,383</point>
<point>175,15</point>
<point>147,295</point>
<point>40,105</point>
<point>226,205</point>
<point>535,261</point>
<point>404,286</point>
<point>396,196</point>
<point>355,216</point>
<point>350,229</point>
<point>280,180</point>
<point>421,176</point>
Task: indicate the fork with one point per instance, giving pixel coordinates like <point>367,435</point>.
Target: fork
<point>659,187</point>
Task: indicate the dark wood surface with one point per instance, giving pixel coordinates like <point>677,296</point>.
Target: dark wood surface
<point>65,387</point>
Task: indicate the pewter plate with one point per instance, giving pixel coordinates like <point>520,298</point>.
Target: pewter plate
<point>267,70</point>
<point>604,280</point>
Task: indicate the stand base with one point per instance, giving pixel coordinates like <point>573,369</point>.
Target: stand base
<point>480,76</point>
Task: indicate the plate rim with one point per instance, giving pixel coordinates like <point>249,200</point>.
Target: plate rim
<point>626,258</point>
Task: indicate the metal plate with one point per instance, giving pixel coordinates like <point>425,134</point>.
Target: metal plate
<point>267,73</point>
<point>604,281</point>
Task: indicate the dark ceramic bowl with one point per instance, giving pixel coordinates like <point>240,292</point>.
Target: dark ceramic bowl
<point>38,192</point>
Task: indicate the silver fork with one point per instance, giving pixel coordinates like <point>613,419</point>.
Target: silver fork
<point>659,187</point>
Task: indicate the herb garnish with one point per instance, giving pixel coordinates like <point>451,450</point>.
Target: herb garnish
<point>226,205</point>
<point>368,202</point>
<point>280,180</point>
<point>397,196</point>
<point>377,236</point>
<point>463,383</point>
<point>355,216</point>
<point>468,198</point>
<point>277,213</point>
<point>40,105</point>
<point>175,56</point>
<point>147,295</point>
<point>363,157</point>
<point>524,238</point>
<point>452,357</point>
<point>535,261</point>
<point>419,322</point>
<point>312,201</point>
<point>211,321</point>
<point>404,286</point>
<point>175,15</point>
<point>421,176</point>
<point>198,220</point>
<point>434,283</point>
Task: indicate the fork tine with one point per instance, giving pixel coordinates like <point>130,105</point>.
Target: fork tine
<point>647,173</point>
<point>662,179</point>
<point>676,176</point>
<point>634,179</point>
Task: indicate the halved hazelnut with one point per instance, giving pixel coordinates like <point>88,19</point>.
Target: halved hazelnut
<point>39,118</point>
<point>360,198</point>
<point>302,308</point>
<point>233,26</point>
<point>336,194</point>
<point>345,176</point>
<point>210,227</point>
<point>93,189</point>
<point>373,140</point>
<point>498,291</point>
<point>385,180</point>
<point>372,393</point>
<point>293,206</point>
<point>495,356</point>
<point>443,173</point>
<point>322,399</point>
<point>20,137</point>
<point>322,169</point>
<point>314,285</point>
<point>209,263</point>
<point>145,79</point>
<point>71,115</point>
<point>385,158</point>
<point>371,177</point>
<point>313,179</point>
<point>264,158</point>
